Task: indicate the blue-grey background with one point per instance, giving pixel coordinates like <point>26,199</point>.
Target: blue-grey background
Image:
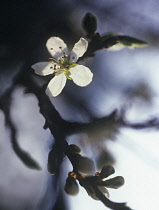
<point>128,78</point>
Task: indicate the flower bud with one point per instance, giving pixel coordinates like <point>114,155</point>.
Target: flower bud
<point>71,186</point>
<point>52,162</point>
<point>89,23</point>
<point>115,182</point>
<point>75,149</point>
<point>85,165</point>
<point>107,171</point>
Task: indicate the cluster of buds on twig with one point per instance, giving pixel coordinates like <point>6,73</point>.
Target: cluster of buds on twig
<point>88,182</point>
<point>83,168</point>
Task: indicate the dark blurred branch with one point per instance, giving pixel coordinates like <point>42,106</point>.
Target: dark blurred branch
<point>24,156</point>
<point>107,121</point>
<point>51,115</point>
<point>111,120</point>
<point>152,123</point>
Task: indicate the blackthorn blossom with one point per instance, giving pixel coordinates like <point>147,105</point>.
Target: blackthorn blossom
<point>63,65</point>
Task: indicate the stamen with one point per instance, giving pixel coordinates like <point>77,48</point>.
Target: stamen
<point>64,54</point>
<point>60,59</point>
<point>52,60</point>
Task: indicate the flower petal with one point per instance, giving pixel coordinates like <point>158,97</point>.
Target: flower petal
<point>56,47</point>
<point>44,68</point>
<point>56,85</point>
<point>81,75</point>
<point>78,50</point>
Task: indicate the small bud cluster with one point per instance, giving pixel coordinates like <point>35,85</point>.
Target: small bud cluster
<point>99,181</point>
<point>83,168</point>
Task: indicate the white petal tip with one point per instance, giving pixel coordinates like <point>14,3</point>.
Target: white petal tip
<point>81,75</point>
<point>43,68</point>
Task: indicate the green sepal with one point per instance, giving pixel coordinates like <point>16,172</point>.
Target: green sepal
<point>67,74</point>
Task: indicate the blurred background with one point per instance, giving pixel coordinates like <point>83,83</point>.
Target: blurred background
<point>125,80</point>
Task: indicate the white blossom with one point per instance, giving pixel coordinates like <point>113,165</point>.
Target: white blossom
<point>63,65</point>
